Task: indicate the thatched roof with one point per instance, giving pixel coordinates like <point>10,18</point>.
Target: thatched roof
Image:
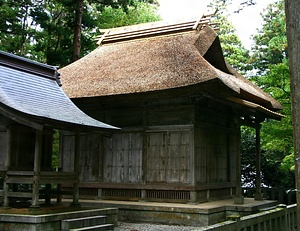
<point>127,62</point>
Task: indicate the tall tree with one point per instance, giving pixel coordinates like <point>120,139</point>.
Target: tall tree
<point>77,30</point>
<point>292,9</point>
<point>16,26</point>
<point>79,15</point>
<point>117,17</point>
<point>45,30</point>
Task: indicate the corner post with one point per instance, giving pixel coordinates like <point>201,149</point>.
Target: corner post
<point>239,199</point>
<point>37,169</point>
<point>258,195</point>
<point>76,170</point>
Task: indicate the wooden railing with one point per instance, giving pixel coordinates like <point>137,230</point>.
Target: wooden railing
<point>279,219</point>
<point>282,195</point>
<point>23,180</point>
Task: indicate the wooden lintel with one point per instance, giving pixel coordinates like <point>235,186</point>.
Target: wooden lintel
<point>20,194</point>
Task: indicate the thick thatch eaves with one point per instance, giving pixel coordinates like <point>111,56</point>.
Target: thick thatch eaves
<point>30,94</point>
<point>157,63</point>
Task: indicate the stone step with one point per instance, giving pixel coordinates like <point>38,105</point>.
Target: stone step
<point>95,228</point>
<point>82,222</point>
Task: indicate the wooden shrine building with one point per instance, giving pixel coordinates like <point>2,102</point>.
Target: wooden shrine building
<point>32,107</point>
<point>179,106</point>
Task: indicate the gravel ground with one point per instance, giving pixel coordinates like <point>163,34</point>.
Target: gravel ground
<point>151,227</point>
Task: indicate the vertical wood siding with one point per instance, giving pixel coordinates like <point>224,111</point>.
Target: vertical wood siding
<point>89,157</point>
<point>201,156</point>
<point>123,158</point>
<point>168,156</point>
<point>67,149</point>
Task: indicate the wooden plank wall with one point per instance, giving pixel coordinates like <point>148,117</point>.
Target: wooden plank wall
<point>90,151</point>
<point>122,162</point>
<point>66,160</point>
<point>215,145</point>
<point>168,156</point>
<point>90,156</point>
<point>158,143</point>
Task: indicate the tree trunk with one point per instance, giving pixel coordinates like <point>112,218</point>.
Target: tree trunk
<point>292,9</point>
<point>77,31</point>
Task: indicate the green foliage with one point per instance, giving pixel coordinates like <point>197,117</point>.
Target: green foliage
<point>116,17</point>
<point>270,61</point>
<point>270,41</point>
<point>275,173</point>
<point>44,30</point>
<point>234,51</point>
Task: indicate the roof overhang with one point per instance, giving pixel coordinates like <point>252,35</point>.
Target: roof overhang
<point>30,95</point>
<point>257,108</point>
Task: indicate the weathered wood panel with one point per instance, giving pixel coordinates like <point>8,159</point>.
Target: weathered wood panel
<point>168,156</point>
<point>200,155</point>
<point>67,153</point>
<point>217,156</point>
<point>155,157</point>
<point>125,117</point>
<point>170,115</point>
<point>3,149</point>
<point>122,160</point>
<point>89,157</point>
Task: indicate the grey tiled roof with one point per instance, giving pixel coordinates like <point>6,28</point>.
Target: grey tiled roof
<point>32,89</point>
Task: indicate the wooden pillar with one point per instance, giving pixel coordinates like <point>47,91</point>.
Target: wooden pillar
<point>258,195</point>
<point>76,170</point>
<point>7,167</point>
<point>37,169</point>
<point>48,195</point>
<point>193,198</point>
<point>59,192</point>
<point>239,199</point>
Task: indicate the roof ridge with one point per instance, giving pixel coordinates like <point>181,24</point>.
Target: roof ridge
<point>29,66</point>
<point>149,30</point>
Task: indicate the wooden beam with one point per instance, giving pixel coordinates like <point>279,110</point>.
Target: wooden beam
<point>19,117</point>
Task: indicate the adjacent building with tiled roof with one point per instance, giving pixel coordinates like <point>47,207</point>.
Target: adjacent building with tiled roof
<point>32,106</point>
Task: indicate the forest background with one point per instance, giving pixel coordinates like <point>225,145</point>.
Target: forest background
<point>58,32</point>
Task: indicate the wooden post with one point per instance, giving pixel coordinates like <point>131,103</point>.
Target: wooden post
<point>239,199</point>
<point>7,167</point>
<point>59,192</point>
<point>76,170</point>
<point>48,195</point>
<point>193,198</point>
<point>258,195</point>
<point>143,195</point>
<point>37,168</point>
